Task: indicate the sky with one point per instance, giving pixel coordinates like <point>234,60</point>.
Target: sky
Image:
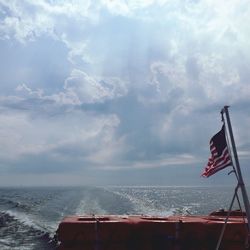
<point>121,92</point>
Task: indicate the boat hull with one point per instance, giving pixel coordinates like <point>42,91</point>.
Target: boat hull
<point>114,232</point>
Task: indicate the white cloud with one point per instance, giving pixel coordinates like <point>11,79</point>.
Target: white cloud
<point>137,75</point>
<point>24,136</point>
<point>113,151</point>
<point>168,160</point>
<point>88,89</point>
<point>93,137</point>
<point>22,24</point>
<point>216,75</point>
<point>119,7</point>
<point>171,75</point>
<point>28,20</point>
<point>131,7</point>
<point>33,93</point>
<point>80,88</point>
<point>94,89</point>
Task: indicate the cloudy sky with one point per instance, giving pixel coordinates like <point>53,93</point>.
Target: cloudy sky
<point>120,92</point>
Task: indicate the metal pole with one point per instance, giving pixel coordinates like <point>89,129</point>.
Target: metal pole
<point>240,179</point>
<point>227,218</point>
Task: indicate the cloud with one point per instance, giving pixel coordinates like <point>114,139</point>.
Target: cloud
<point>56,129</point>
<point>80,88</point>
<point>170,80</point>
<point>117,7</point>
<point>166,161</point>
<point>94,89</point>
<point>74,136</point>
<point>29,20</point>
<point>18,22</point>
<point>120,85</point>
<point>33,93</point>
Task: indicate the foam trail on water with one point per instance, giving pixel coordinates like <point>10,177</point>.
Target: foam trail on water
<point>144,205</point>
<point>90,202</point>
<point>18,231</point>
<point>26,220</point>
<point>89,207</point>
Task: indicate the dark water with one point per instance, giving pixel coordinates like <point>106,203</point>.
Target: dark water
<point>29,216</point>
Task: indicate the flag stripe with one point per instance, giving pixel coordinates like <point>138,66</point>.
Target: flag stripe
<point>220,157</point>
<point>213,167</point>
<point>216,160</point>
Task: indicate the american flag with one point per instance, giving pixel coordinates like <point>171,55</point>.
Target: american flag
<point>220,157</point>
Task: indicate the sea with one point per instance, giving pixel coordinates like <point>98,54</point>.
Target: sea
<point>29,216</point>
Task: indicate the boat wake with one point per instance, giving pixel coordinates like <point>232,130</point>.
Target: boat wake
<point>29,217</point>
<point>13,228</point>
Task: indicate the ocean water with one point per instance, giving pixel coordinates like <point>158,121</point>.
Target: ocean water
<point>29,217</point>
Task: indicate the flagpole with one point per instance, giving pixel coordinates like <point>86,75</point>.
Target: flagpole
<point>239,174</point>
